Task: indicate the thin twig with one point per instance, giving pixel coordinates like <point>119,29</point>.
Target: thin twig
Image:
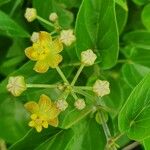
<point>131,146</point>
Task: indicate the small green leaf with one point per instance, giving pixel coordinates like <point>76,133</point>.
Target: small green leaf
<point>94,30</point>
<point>146,16</point>
<point>11,28</point>
<point>134,117</point>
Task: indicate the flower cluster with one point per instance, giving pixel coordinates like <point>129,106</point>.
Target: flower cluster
<point>45,51</point>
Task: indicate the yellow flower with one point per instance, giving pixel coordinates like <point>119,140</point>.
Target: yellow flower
<point>45,51</point>
<point>43,113</point>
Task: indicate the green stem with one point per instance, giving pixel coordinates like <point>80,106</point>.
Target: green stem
<point>62,75</point>
<point>41,86</point>
<point>77,75</point>
<point>17,2</point>
<point>45,21</point>
<point>131,146</point>
<point>83,88</point>
<point>74,95</point>
<point>106,129</point>
<point>79,91</point>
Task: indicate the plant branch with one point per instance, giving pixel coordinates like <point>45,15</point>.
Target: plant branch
<point>131,146</point>
<point>45,21</point>
<point>77,75</point>
<point>62,75</point>
<point>41,86</point>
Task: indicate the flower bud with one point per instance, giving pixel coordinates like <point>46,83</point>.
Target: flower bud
<point>80,104</point>
<point>35,37</point>
<point>61,105</point>
<point>30,14</point>
<point>88,57</point>
<point>101,88</point>
<point>16,85</point>
<point>53,17</point>
<point>67,37</point>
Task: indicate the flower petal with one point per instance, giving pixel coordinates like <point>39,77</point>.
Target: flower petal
<point>54,122</point>
<point>31,53</point>
<point>41,66</point>
<point>44,103</point>
<point>45,124</point>
<point>32,107</point>
<point>56,46</point>
<point>45,37</point>
<point>53,112</point>
<point>31,124</point>
<point>38,128</point>
<point>55,60</point>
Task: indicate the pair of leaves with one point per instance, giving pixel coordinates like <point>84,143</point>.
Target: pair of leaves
<point>86,135</point>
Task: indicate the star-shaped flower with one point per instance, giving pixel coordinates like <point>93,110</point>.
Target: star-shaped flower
<point>43,113</point>
<point>45,51</point>
<point>16,85</point>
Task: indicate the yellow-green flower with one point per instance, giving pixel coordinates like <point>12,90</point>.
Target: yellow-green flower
<point>43,113</point>
<point>45,51</point>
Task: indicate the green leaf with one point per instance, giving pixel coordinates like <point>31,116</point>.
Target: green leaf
<point>115,99</point>
<point>134,73</point>
<point>121,15</point>
<point>2,2</point>
<point>63,137</point>
<point>13,122</point>
<point>32,139</point>
<point>146,17</point>
<point>122,3</point>
<point>146,144</point>
<point>11,28</point>
<point>94,30</point>
<point>138,39</point>
<point>134,117</point>
<point>73,116</point>
<point>65,16</point>
<point>88,135</point>
<point>140,2</point>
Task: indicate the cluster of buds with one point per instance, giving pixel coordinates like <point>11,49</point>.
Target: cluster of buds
<point>45,50</point>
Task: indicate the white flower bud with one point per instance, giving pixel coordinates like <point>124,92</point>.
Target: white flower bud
<point>88,57</point>
<point>35,37</point>
<point>62,105</point>
<point>16,85</point>
<point>67,37</point>
<point>30,14</point>
<point>80,104</point>
<point>53,17</point>
<point>101,88</point>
